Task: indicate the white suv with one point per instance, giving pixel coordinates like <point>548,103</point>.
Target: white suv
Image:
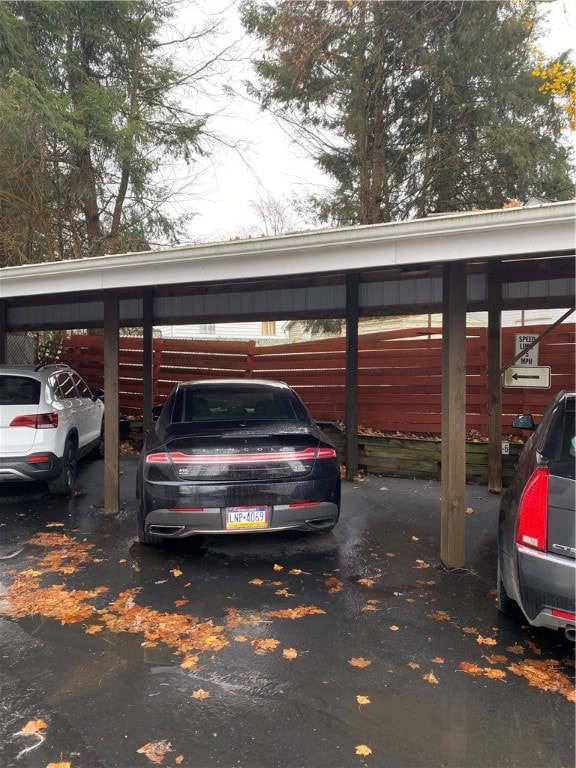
<point>49,419</point>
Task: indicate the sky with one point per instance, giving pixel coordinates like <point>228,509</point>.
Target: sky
<point>272,164</point>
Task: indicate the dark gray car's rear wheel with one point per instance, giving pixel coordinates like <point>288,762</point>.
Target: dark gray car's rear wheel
<point>64,483</point>
<point>504,603</point>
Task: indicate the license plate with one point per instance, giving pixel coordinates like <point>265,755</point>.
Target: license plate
<point>246,517</point>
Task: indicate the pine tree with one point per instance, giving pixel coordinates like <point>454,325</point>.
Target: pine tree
<point>411,107</point>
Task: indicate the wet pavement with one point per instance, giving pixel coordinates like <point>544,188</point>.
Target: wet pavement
<point>353,648</point>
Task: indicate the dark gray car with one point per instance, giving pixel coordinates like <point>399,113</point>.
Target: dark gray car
<point>536,538</point>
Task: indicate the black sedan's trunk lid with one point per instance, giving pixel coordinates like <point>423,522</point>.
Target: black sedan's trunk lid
<point>233,457</point>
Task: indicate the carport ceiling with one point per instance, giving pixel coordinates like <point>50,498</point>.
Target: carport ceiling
<point>530,251</point>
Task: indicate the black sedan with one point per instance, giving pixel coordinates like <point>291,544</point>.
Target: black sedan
<point>536,539</point>
<point>235,456</point>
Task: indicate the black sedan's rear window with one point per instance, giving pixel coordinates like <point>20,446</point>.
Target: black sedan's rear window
<point>19,390</point>
<point>229,404</point>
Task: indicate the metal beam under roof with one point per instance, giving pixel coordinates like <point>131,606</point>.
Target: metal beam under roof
<point>304,274</point>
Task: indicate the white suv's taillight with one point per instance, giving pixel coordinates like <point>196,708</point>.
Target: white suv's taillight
<point>36,420</point>
<point>532,523</point>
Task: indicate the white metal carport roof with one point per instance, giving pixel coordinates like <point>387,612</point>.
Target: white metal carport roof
<point>507,259</point>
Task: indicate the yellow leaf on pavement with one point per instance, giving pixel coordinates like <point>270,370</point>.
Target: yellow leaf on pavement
<point>359,662</point>
<point>486,640</point>
<point>33,726</point>
<point>155,751</point>
<point>200,694</point>
<point>362,749</point>
<point>362,700</point>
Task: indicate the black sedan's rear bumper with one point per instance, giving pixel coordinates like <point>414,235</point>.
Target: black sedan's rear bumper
<point>176,510</point>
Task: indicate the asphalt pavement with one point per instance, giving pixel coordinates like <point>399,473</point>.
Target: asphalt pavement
<point>353,648</point>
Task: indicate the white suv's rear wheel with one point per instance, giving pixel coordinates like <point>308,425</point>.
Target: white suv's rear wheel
<point>65,481</point>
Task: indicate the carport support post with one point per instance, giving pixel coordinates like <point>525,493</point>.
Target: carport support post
<point>494,381</point>
<point>147,358</point>
<point>112,400</point>
<point>351,417</point>
<point>3,332</point>
<point>453,483</point>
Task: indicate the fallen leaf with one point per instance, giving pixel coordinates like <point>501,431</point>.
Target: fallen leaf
<point>362,700</point>
<point>176,572</point>
<point>486,640</point>
<point>440,616</point>
<point>296,613</point>
<point>92,629</point>
<point>335,584</point>
<point>516,649</point>
<point>470,668</point>
<point>284,592</point>
<point>180,603</point>
<point>422,564</point>
<point>256,582</point>
<point>431,678</point>
<point>469,511</point>
<point>413,665</point>
<point>534,648</point>
<point>546,675</point>
<point>155,751</point>
<point>496,659</point>
<point>262,646</point>
<point>190,662</point>
<point>278,567</point>
<point>370,607</point>
<point>55,525</point>
<point>362,749</point>
<point>437,660</point>
<point>366,582</point>
<point>494,674</point>
<point>33,726</point>
<point>470,630</point>
<point>290,653</point>
<point>394,628</point>
<point>475,670</point>
<point>179,760</point>
<point>414,538</point>
<point>200,694</point>
<point>241,638</point>
<point>64,764</point>
<point>298,572</point>
<point>359,662</point>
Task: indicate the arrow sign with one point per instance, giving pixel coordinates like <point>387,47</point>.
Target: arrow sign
<point>524,376</point>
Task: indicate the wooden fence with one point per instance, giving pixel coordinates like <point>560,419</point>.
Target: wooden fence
<point>400,373</point>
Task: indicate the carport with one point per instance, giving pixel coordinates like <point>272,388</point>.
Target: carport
<point>518,258</point>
